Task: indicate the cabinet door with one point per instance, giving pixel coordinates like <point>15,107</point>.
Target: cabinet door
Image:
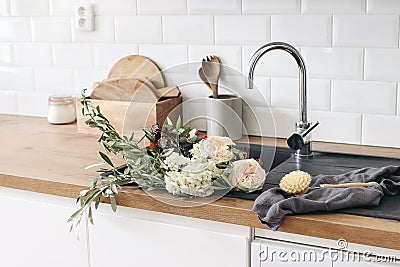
<point>277,253</point>
<point>34,231</point>
<point>129,238</point>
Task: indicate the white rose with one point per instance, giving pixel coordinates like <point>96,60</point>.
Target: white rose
<point>223,154</point>
<point>220,141</point>
<point>216,148</point>
<point>247,175</point>
<point>207,148</point>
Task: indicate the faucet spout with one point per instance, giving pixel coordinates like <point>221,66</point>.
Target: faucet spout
<point>302,125</point>
<point>302,72</point>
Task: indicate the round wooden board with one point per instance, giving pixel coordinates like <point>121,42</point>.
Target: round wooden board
<point>124,89</point>
<point>138,67</point>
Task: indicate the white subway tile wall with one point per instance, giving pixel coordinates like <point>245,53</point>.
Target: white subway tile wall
<point>15,29</point>
<point>73,55</point>
<point>61,7</point>
<point>8,102</point>
<point>6,54</point>
<point>351,49</point>
<point>234,29</point>
<point>285,93</point>
<point>115,7</point>
<point>364,97</point>
<point>51,29</point>
<point>37,55</point>
<point>59,81</point>
<point>398,99</point>
<point>382,64</point>
<point>104,32</point>
<point>333,6</point>
<point>379,130</point>
<point>311,30</point>
<point>383,6</point>
<point>4,8</point>
<point>197,29</point>
<point>29,8</point>
<point>105,55</point>
<point>271,6</point>
<point>366,31</point>
<point>214,7</point>
<point>161,6</point>
<point>138,29</point>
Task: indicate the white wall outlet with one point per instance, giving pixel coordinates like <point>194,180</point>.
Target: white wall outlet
<point>84,16</point>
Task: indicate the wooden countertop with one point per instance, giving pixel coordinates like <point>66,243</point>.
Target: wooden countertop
<point>51,159</point>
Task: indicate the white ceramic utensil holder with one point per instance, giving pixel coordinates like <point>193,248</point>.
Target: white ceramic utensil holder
<point>224,116</point>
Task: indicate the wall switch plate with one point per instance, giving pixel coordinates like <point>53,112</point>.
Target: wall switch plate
<point>84,16</point>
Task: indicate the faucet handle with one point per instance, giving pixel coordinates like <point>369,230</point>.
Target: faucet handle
<point>296,140</point>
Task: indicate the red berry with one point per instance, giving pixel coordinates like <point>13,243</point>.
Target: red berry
<point>187,135</point>
<point>197,133</point>
<point>152,145</point>
<point>204,137</point>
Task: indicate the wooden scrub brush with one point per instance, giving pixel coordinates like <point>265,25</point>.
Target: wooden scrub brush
<point>298,182</point>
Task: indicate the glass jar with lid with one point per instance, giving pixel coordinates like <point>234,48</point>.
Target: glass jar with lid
<point>61,109</point>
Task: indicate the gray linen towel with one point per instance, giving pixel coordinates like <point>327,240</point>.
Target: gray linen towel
<point>274,204</point>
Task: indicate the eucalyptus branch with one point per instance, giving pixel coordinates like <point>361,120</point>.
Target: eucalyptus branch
<point>109,139</point>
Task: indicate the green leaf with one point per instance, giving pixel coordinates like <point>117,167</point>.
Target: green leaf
<point>96,205</point>
<point>90,216</point>
<point>113,203</point>
<point>93,183</point>
<point>106,159</point>
<point>186,131</point>
<point>90,197</point>
<point>169,122</point>
<point>113,187</point>
<point>178,123</point>
<point>75,214</point>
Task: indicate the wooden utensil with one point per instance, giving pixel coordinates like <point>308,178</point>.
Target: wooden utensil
<point>139,67</point>
<point>211,69</point>
<point>124,90</point>
<point>345,185</point>
<point>204,79</point>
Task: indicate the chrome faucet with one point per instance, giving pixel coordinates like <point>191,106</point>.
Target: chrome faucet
<point>300,140</point>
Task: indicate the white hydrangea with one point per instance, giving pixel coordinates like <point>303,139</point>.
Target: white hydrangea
<point>193,184</point>
<point>176,161</point>
<point>194,176</point>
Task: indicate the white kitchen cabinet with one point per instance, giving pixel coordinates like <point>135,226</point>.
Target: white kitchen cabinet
<point>134,237</point>
<point>34,231</point>
<point>267,253</point>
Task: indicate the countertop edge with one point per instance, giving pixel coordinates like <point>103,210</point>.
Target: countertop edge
<point>355,229</point>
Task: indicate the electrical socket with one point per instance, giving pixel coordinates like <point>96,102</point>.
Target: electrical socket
<point>84,16</point>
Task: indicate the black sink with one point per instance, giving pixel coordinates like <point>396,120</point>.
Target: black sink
<point>328,163</point>
<point>280,161</point>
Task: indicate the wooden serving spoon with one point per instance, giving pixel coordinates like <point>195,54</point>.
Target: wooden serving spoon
<point>211,69</point>
<point>204,79</point>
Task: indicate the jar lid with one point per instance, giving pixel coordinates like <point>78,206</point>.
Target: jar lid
<point>61,99</point>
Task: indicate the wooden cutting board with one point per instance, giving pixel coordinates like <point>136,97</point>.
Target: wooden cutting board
<point>124,90</point>
<point>139,67</point>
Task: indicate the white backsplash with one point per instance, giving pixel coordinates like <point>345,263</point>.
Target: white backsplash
<point>351,49</point>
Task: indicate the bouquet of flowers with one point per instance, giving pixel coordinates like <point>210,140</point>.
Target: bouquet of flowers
<point>176,159</point>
